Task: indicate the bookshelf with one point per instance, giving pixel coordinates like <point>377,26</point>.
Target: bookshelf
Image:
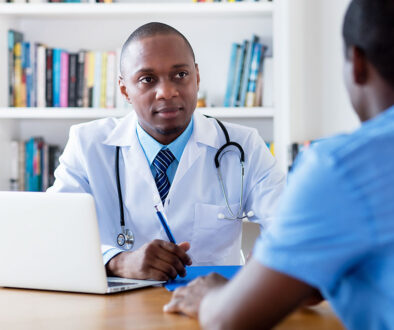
<point>210,27</point>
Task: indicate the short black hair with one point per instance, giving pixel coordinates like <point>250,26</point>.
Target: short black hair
<point>149,30</point>
<point>369,26</point>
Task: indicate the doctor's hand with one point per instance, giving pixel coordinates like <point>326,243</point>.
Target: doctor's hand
<point>157,260</point>
<point>187,299</point>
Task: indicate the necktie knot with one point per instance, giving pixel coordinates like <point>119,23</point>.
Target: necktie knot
<point>161,163</point>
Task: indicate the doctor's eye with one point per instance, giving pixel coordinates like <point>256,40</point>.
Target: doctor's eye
<point>146,80</point>
<point>181,74</point>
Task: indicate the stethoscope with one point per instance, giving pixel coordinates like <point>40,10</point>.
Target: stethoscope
<point>125,238</point>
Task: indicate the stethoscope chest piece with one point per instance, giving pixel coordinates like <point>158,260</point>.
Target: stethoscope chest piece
<point>125,239</point>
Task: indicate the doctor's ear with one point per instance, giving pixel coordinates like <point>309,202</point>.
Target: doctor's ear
<point>123,89</point>
<point>198,75</point>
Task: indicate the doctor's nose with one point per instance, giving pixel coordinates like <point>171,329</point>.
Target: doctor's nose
<point>166,90</point>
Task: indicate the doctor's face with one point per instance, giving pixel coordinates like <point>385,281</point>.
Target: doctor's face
<point>160,80</point>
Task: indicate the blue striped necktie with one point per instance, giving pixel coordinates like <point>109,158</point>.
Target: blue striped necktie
<point>163,159</point>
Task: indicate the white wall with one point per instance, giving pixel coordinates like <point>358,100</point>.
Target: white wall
<point>319,105</point>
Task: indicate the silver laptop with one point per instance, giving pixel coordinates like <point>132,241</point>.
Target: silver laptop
<point>51,241</point>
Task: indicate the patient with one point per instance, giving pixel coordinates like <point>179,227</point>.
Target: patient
<point>335,231</point>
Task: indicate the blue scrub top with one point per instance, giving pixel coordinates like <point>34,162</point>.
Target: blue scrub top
<point>335,225</point>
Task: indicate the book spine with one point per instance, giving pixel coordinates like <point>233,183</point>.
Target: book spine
<point>80,78</point>
<point>49,77</point>
<point>72,80</point>
<point>238,77</point>
<point>103,80</point>
<point>254,71</point>
<point>28,74</point>
<point>40,76</point>
<point>247,66</point>
<point>56,76</point>
<point>64,79</point>
<point>268,82</point>
<point>14,162</point>
<point>13,38</point>
<point>18,74</point>
<point>21,165</point>
<point>11,72</point>
<point>235,51</point>
<point>111,80</point>
<point>89,75</point>
<point>97,80</point>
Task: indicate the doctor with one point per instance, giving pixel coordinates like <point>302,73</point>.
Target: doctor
<point>166,159</point>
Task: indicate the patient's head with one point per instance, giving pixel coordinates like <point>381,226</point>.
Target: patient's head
<point>368,33</point>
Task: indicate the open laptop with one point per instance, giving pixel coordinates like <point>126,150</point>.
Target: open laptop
<point>51,241</point>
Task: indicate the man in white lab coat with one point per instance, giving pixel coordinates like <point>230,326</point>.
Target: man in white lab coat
<point>166,158</point>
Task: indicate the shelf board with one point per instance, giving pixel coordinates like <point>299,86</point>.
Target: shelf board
<point>83,10</point>
<point>89,113</point>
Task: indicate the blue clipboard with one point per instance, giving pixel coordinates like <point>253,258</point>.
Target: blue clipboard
<point>193,272</point>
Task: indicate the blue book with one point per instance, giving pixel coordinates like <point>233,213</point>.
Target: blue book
<point>258,53</point>
<point>56,76</point>
<point>247,66</point>
<point>29,173</point>
<point>27,69</point>
<point>193,272</point>
<point>238,76</point>
<point>235,51</point>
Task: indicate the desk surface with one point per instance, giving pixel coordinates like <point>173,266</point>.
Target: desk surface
<point>30,309</point>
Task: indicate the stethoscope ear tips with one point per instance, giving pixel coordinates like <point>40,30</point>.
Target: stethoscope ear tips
<point>250,214</point>
<point>221,216</point>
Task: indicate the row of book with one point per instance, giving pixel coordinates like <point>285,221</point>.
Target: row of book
<point>53,1</point>
<point>249,75</point>
<point>33,163</point>
<point>40,76</point>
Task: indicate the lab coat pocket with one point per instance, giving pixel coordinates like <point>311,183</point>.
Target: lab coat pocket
<point>214,239</point>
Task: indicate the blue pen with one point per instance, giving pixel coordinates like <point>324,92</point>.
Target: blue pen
<point>165,225</point>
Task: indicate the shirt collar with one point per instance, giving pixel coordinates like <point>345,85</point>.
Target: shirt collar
<point>152,147</point>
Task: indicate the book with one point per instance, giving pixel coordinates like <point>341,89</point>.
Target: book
<point>111,80</point>
<point>97,79</point>
<point>56,76</point>
<point>80,78</point>
<point>41,76</point>
<point>258,51</point>
<point>13,38</point>
<point>49,77</point>
<point>18,75</point>
<point>235,53</point>
<point>72,79</point>
<point>103,80</point>
<point>64,79</point>
<point>247,67</point>
<point>239,74</point>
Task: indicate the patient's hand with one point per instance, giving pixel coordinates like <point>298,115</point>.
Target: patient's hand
<point>187,299</point>
<point>157,260</point>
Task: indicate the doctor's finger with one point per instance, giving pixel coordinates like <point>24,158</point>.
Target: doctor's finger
<point>165,267</point>
<point>175,249</point>
<point>173,260</point>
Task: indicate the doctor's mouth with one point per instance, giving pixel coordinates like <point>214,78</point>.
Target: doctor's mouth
<point>168,112</point>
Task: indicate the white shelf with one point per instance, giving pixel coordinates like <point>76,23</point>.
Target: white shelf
<point>113,10</point>
<point>86,113</point>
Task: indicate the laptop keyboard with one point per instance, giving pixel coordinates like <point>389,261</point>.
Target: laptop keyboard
<point>112,284</point>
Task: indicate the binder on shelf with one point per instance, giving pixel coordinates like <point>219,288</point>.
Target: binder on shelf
<point>14,37</point>
<point>258,54</point>
<point>64,79</point>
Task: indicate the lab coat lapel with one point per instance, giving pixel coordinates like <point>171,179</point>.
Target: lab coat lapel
<point>135,164</point>
<point>204,134</point>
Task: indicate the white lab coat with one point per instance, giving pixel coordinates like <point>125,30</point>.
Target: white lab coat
<point>195,198</point>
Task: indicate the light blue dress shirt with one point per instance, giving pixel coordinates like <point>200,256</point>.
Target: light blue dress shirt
<point>335,226</point>
<point>151,148</point>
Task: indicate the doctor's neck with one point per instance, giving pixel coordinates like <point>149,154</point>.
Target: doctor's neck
<point>164,135</point>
